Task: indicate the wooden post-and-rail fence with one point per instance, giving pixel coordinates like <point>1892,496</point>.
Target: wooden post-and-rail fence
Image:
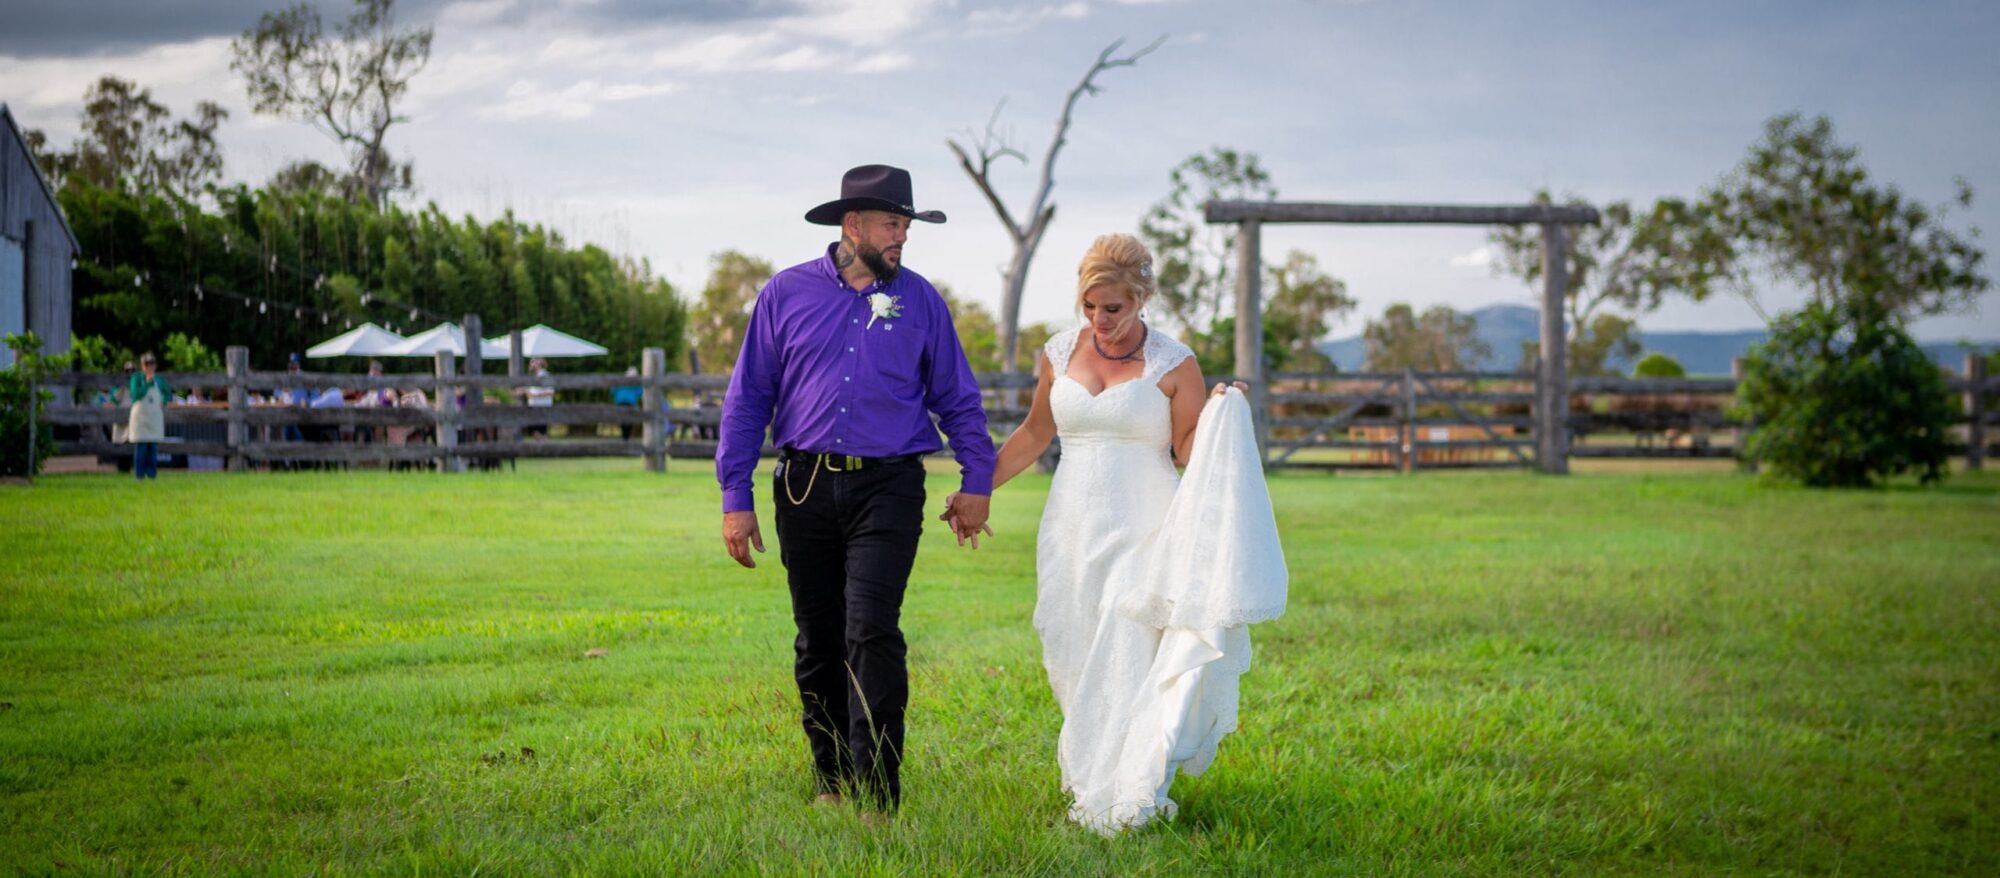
<point>254,433</point>
<point>1393,420</point>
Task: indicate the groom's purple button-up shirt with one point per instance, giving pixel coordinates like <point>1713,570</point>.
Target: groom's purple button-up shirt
<point>815,370</point>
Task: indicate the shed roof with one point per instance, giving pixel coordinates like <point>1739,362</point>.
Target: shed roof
<point>17,137</point>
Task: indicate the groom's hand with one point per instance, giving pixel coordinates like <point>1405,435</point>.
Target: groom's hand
<point>967,514</point>
<point>739,533</point>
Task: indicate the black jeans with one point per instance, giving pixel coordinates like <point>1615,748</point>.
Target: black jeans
<point>847,547</point>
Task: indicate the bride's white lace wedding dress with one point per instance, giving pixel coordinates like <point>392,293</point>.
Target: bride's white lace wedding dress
<point>1142,596</point>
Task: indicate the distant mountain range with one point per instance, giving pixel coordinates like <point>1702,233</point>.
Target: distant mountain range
<point>1505,328</point>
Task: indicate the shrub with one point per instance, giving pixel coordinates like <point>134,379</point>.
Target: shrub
<point>17,407</point>
<point>1658,365</point>
<point>1842,396</point>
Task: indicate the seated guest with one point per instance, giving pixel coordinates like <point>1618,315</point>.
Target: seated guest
<point>538,397</point>
<point>293,395</point>
<point>378,398</point>
<point>384,397</point>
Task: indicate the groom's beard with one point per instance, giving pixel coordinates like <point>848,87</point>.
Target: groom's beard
<point>872,257</point>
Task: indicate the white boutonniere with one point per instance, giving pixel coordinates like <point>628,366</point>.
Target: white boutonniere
<point>884,305</point>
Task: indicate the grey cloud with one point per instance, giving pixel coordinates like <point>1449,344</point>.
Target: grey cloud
<point>95,27</point>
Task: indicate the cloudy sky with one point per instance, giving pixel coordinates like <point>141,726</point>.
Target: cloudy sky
<point>676,128</point>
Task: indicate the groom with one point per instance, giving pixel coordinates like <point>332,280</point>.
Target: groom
<point>846,357</point>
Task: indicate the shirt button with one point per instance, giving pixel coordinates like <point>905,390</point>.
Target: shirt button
<point>848,378</point>
<point>855,320</point>
<point>839,441</point>
<point>843,410</point>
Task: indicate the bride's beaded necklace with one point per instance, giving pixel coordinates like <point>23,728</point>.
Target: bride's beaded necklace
<point>1131,355</point>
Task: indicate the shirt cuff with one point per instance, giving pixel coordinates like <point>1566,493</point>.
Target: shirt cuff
<point>738,500</point>
<point>976,483</point>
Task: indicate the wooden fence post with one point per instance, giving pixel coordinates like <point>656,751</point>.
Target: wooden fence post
<point>34,420</point>
<point>447,414</point>
<point>1975,411</point>
<point>1409,430</point>
<point>653,364</point>
<point>515,367</point>
<point>475,366</point>
<point>237,362</point>
<point>1749,427</point>
<point>1250,331</point>
<point>1552,380</point>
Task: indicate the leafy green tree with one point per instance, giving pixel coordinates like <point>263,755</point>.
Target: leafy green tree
<point>182,353</point>
<point>1610,339</point>
<point>1438,340</point>
<point>279,271</point>
<point>1594,348</point>
<point>1658,365</point>
<point>1802,210</point>
<point>1841,393</point>
<point>716,323</point>
<point>1193,258</point>
<point>1625,262</point>
<point>1222,359</point>
<point>308,176</point>
<point>1034,337</point>
<point>348,84</point>
<point>92,353</point>
<point>1304,303</point>
<point>131,142</point>
<point>978,332</point>
<point>1844,399</point>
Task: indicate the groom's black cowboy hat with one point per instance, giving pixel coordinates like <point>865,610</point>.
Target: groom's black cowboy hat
<point>872,187</point>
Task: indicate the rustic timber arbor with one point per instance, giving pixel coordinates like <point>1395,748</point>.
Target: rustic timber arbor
<point>1551,380</point>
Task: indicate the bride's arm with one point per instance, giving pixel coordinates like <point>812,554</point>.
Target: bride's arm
<point>1031,438</point>
<point>1183,387</point>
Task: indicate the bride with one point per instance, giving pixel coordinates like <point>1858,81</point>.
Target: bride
<point>1139,699</point>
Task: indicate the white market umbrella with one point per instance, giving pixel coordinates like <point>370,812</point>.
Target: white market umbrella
<point>366,340</point>
<point>442,337</point>
<point>541,341</point>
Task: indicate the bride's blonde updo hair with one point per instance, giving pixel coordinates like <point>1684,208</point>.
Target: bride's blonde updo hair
<point>1117,260</point>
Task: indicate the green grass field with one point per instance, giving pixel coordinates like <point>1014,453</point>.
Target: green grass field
<point>1480,673</point>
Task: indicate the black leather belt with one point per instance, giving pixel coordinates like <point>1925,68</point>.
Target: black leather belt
<point>835,463</point>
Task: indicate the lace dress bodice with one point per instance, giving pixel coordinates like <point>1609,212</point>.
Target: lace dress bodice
<point>1132,412</point>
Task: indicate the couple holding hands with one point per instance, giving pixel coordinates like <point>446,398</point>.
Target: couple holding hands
<point>1146,577</point>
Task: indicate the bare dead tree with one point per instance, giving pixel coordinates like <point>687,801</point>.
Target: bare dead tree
<point>348,84</point>
<point>989,146</point>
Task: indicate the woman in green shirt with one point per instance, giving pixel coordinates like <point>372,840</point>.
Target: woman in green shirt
<point>147,424</point>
